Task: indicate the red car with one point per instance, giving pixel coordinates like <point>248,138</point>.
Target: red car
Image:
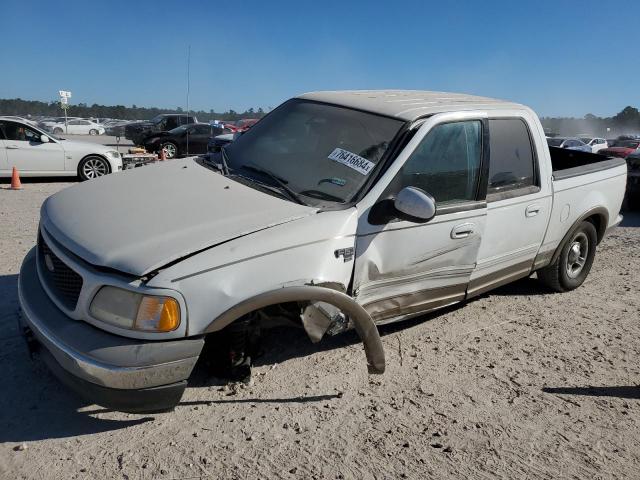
<point>622,149</point>
<point>241,125</point>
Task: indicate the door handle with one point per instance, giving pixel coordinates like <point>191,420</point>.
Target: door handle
<point>12,147</point>
<point>532,210</point>
<point>462,231</point>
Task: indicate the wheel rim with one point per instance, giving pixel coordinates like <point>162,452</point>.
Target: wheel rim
<point>93,132</point>
<point>577,255</point>
<point>94,167</point>
<point>169,150</point>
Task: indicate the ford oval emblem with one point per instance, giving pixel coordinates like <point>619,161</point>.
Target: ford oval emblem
<point>49,263</point>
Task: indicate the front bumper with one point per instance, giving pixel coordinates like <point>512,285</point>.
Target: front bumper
<point>117,372</point>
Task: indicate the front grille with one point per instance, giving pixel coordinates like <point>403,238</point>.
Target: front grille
<point>62,281</point>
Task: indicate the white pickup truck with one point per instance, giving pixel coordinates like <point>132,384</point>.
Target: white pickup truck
<point>337,210</point>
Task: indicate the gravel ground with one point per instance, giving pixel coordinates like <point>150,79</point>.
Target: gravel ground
<point>520,383</point>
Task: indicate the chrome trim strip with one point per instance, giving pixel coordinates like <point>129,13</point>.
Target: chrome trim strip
<point>496,279</point>
<point>415,302</point>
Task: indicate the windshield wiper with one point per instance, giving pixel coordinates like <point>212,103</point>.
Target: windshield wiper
<point>280,182</point>
<point>222,166</point>
<point>225,164</point>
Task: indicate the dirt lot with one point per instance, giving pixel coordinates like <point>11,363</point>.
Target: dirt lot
<point>520,383</point>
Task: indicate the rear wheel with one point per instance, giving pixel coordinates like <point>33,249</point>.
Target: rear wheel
<point>574,262</point>
<point>93,131</point>
<point>93,167</point>
<point>170,150</point>
<point>57,130</point>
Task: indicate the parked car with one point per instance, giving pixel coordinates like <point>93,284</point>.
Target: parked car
<point>219,141</point>
<point>240,125</point>
<point>570,143</point>
<point>376,211</point>
<point>77,127</point>
<point>633,179</point>
<point>37,153</point>
<point>622,149</point>
<point>138,131</point>
<point>47,123</point>
<point>191,139</point>
<point>116,128</point>
<point>245,124</point>
<point>596,143</point>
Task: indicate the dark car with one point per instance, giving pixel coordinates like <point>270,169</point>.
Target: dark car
<point>138,131</point>
<point>633,179</point>
<point>219,141</point>
<point>189,139</point>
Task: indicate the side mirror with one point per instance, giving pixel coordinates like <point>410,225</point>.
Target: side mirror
<point>44,139</point>
<point>415,204</point>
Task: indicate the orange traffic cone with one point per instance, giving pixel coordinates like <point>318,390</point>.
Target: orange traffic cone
<point>15,180</point>
<point>162,155</point>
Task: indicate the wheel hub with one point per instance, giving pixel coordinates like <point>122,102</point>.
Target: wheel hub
<point>577,255</point>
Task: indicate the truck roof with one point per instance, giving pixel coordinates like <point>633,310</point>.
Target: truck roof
<point>408,104</point>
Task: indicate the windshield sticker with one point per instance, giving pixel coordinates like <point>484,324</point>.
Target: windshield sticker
<point>351,160</point>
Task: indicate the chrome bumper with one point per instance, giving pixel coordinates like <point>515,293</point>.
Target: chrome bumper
<point>98,357</point>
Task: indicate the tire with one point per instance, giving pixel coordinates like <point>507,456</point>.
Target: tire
<point>170,150</point>
<point>574,262</point>
<point>93,131</point>
<point>57,130</point>
<point>93,166</point>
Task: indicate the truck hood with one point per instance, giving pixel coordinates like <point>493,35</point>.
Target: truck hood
<point>140,220</point>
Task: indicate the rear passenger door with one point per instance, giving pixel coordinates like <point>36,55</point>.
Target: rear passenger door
<point>199,138</point>
<point>518,203</point>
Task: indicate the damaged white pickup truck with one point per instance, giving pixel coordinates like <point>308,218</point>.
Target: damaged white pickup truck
<point>337,210</point>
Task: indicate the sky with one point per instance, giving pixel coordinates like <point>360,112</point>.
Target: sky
<point>561,57</point>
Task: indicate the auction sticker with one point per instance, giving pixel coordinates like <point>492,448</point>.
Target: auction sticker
<point>351,160</point>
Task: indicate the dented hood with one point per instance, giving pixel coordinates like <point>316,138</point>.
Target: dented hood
<point>142,219</point>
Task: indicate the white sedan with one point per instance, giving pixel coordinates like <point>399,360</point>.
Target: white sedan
<point>595,143</point>
<point>36,153</point>
<point>78,127</point>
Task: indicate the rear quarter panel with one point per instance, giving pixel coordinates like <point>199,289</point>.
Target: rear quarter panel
<point>574,197</point>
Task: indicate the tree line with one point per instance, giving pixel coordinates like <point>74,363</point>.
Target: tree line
<point>25,108</point>
<point>627,121</point>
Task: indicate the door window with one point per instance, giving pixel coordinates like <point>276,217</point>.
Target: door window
<point>170,123</point>
<point>18,132</point>
<point>512,160</point>
<point>446,164</point>
<point>202,130</point>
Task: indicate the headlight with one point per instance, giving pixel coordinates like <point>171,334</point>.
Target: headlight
<point>113,153</point>
<point>134,311</point>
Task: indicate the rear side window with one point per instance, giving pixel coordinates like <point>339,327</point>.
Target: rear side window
<point>446,164</point>
<point>512,161</point>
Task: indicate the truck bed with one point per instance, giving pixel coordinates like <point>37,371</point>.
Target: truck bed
<point>571,163</point>
<point>583,183</point>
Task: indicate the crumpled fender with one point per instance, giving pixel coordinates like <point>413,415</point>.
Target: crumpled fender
<point>363,324</point>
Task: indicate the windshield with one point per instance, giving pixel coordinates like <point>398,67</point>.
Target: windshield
<point>320,151</point>
<point>555,142</point>
<point>630,144</point>
<point>156,119</point>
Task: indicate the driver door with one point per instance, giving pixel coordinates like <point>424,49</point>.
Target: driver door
<point>28,153</point>
<point>404,268</point>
